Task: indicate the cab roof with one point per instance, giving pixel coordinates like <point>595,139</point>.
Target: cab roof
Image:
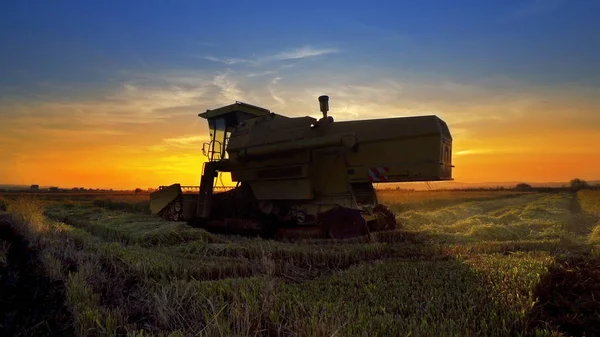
<point>237,107</point>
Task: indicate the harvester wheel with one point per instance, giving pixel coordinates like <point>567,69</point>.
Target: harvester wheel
<point>343,223</point>
<point>386,220</point>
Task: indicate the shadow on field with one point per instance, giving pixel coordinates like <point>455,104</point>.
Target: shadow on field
<point>581,223</point>
<point>568,297</point>
<point>400,297</point>
<point>30,304</point>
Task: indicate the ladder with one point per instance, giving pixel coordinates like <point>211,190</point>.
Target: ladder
<point>207,182</point>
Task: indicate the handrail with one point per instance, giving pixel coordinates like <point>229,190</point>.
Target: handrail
<point>211,152</point>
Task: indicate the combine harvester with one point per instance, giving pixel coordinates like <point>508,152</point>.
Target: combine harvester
<point>298,176</point>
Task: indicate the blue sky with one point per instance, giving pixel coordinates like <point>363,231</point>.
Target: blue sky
<point>142,70</point>
<point>94,42</point>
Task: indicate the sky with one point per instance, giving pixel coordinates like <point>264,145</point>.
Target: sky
<point>105,94</point>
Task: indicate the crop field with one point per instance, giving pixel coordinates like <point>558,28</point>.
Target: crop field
<point>462,263</point>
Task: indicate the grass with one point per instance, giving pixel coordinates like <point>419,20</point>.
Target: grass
<point>526,217</point>
<point>590,201</point>
<point>69,255</point>
<point>464,263</point>
<point>127,227</point>
<point>127,204</point>
<point>590,204</point>
<point>403,200</point>
<point>479,295</point>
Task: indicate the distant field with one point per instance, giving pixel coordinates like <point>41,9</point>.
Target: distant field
<point>462,263</point>
<point>401,200</point>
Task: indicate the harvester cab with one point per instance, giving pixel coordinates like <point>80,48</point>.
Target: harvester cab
<point>306,175</point>
<point>222,122</point>
<point>170,202</point>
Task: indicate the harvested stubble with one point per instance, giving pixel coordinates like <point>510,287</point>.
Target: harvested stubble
<point>129,228</point>
<point>467,268</point>
<point>590,204</point>
<point>402,200</point>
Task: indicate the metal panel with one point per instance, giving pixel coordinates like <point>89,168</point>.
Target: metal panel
<point>293,189</point>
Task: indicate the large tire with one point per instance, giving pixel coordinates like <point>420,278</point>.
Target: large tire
<point>343,223</point>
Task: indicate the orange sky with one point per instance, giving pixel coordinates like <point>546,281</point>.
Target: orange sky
<point>137,136</point>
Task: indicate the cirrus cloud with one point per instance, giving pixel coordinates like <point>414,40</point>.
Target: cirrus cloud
<point>285,55</point>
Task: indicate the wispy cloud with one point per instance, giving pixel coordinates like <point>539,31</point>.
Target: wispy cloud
<point>262,73</point>
<point>228,86</point>
<point>273,91</point>
<point>474,151</point>
<point>186,141</point>
<point>303,52</point>
<point>285,55</point>
<point>272,71</point>
<point>229,60</point>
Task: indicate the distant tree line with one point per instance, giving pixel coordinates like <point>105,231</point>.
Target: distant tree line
<point>580,184</point>
<point>575,185</point>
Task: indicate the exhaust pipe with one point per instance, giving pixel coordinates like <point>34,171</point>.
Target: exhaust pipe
<point>324,105</point>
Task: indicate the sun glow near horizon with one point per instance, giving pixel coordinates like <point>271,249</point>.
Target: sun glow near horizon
<point>168,151</point>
